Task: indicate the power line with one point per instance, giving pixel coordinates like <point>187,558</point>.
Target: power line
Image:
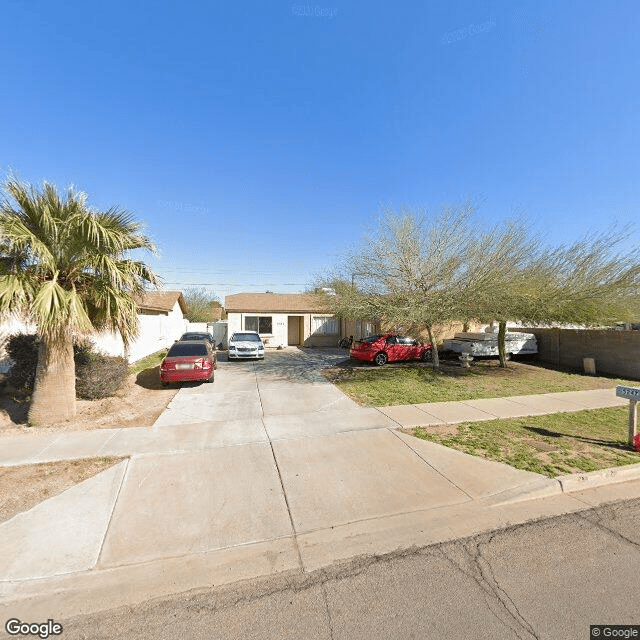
<point>241,284</point>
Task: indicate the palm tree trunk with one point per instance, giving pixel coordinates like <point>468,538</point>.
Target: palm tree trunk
<point>54,391</point>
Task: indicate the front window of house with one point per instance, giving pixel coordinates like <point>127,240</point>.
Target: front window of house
<point>321,325</point>
<point>261,324</point>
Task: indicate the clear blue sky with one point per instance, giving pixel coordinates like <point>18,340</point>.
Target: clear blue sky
<point>258,139</point>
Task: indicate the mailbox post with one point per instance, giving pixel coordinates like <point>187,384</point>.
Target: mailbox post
<point>633,395</point>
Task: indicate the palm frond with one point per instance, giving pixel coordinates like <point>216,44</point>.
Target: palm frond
<point>19,236</point>
<point>113,309</point>
<point>74,272</point>
<point>16,292</point>
<point>50,306</point>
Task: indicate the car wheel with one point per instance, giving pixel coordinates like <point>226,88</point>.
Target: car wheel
<point>211,379</point>
<point>380,359</point>
<point>427,356</point>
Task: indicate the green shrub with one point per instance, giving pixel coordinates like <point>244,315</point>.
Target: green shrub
<point>23,350</point>
<point>97,375</point>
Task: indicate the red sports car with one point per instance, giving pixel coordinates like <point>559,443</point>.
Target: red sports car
<point>187,361</point>
<point>390,348</point>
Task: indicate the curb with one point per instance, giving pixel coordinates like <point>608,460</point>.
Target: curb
<point>580,481</point>
<point>537,489</point>
<point>569,483</point>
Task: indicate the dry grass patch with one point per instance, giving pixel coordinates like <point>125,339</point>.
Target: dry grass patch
<point>26,486</point>
<point>138,403</point>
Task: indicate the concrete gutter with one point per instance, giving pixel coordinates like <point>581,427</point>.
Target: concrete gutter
<point>531,491</point>
<point>569,483</point>
<point>580,481</point>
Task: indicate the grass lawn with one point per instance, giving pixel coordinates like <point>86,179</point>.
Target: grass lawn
<point>552,445</point>
<point>149,362</point>
<point>416,383</point>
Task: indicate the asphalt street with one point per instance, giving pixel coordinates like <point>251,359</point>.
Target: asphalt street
<point>548,579</point>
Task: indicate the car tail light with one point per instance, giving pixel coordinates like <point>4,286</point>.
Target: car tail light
<point>208,363</point>
<point>167,365</point>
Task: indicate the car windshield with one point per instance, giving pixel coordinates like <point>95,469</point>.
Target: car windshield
<point>245,337</point>
<point>195,336</point>
<point>180,349</point>
<point>371,339</point>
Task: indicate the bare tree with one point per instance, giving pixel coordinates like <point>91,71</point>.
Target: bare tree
<point>593,281</point>
<point>415,270</point>
<point>200,303</point>
<point>503,281</point>
<point>407,270</point>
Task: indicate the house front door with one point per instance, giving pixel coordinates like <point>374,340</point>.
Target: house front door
<point>293,334</point>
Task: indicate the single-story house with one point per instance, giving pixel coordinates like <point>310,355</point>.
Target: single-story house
<point>161,322</point>
<point>291,319</point>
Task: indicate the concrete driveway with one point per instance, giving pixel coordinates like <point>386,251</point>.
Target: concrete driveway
<point>285,383</point>
<point>270,468</point>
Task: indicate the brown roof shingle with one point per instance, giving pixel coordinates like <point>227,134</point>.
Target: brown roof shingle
<point>162,300</point>
<point>275,302</point>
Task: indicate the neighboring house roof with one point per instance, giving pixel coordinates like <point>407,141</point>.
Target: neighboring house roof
<point>162,301</point>
<point>274,302</point>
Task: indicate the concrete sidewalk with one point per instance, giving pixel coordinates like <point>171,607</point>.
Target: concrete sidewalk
<point>434,413</point>
<point>270,469</point>
<point>234,413</point>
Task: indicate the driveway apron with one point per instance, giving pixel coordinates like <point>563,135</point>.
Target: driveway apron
<point>323,462</point>
<point>269,452</point>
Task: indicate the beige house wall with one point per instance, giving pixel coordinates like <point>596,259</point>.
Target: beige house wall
<point>441,331</point>
<point>279,335</point>
<point>359,329</point>
<point>319,340</point>
<point>279,326</point>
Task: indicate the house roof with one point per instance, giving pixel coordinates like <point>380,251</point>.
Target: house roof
<point>162,301</point>
<point>274,302</point>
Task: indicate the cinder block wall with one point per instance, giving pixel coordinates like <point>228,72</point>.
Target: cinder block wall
<point>615,352</point>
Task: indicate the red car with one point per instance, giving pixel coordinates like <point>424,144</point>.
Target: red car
<point>188,361</point>
<point>390,348</point>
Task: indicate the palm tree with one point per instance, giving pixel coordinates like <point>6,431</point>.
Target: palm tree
<point>66,267</point>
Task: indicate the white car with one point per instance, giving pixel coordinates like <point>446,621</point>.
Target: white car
<point>245,344</point>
